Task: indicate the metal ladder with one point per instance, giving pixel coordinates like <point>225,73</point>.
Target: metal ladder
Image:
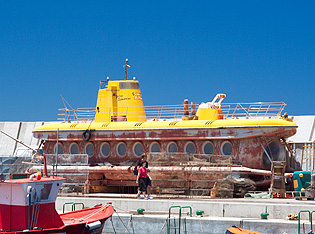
<point>308,157</point>
<point>179,218</point>
<point>310,219</point>
<point>277,178</point>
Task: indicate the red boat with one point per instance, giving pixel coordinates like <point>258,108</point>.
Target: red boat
<point>28,206</point>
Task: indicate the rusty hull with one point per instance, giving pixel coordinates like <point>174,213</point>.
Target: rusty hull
<point>247,142</point>
<point>248,145</point>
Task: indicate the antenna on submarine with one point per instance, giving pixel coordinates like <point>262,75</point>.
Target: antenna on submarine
<point>126,66</point>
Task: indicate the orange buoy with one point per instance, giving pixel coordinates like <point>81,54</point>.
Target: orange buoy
<point>36,176</point>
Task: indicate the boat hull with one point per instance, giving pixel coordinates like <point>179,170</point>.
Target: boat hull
<point>252,143</point>
<point>247,150</point>
<point>80,228</point>
<point>76,221</point>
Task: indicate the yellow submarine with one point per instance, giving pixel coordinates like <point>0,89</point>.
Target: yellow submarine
<point>120,129</point>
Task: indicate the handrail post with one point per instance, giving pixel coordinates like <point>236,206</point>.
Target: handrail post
<point>190,210</point>
<point>169,219</point>
<point>77,203</point>
<point>64,205</point>
<point>299,220</point>
<point>311,218</point>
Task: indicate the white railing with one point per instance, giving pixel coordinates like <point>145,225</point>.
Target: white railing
<point>176,112</point>
<point>253,110</point>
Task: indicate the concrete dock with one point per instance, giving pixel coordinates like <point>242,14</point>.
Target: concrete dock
<point>219,214</point>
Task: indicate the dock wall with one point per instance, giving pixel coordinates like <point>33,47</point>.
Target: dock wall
<point>21,131</point>
<point>219,214</point>
<point>143,224</point>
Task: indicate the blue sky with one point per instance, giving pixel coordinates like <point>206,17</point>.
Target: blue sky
<point>250,50</point>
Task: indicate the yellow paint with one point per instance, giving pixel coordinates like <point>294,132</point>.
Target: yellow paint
<point>167,124</point>
<point>209,114</point>
<point>120,101</point>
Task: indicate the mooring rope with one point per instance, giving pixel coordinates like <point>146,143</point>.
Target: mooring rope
<point>36,214</point>
<point>111,220</point>
<point>131,223</point>
<point>201,227</point>
<point>128,224</point>
<point>122,221</point>
<point>163,225</point>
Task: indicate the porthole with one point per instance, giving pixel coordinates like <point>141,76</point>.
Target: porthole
<point>190,148</point>
<point>89,149</point>
<point>275,152</point>
<point>226,148</point>
<point>60,148</point>
<point>137,149</point>
<point>121,149</point>
<point>172,147</point>
<point>207,148</point>
<point>74,148</point>
<point>155,147</point>
<point>105,149</point>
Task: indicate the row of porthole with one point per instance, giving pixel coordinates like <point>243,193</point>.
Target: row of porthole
<point>137,149</point>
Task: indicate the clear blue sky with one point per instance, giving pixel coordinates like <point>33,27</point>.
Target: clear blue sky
<point>250,50</point>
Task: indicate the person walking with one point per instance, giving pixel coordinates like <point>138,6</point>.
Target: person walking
<point>148,178</point>
<point>141,178</point>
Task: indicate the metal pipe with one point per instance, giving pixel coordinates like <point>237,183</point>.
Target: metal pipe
<point>29,211</point>
<point>57,149</point>
<point>45,166</point>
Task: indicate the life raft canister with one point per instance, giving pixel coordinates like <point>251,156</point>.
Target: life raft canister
<point>86,135</point>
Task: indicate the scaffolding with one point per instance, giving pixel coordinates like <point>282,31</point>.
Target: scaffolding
<point>190,175</point>
<point>175,174</point>
<point>76,178</point>
<point>308,157</point>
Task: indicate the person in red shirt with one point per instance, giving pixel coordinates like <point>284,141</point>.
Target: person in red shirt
<point>141,178</point>
<point>148,179</point>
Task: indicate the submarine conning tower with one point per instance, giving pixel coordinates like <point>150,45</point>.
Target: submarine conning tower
<point>120,101</point>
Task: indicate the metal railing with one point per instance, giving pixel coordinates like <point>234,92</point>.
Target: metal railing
<point>253,110</point>
<point>67,159</point>
<point>176,112</point>
<point>77,115</point>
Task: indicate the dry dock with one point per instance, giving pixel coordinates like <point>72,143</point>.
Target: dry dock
<point>219,214</point>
